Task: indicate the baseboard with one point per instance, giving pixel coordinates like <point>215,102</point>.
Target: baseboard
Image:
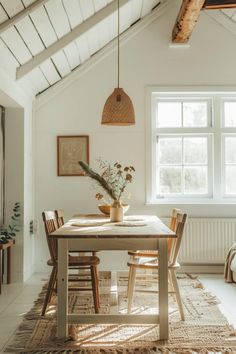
<point>202,268</point>
<point>185,268</point>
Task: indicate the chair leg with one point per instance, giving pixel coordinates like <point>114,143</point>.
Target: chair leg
<point>49,291</point>
<point>95,288</point>
<point>177,293</point>
<point>170,281</point>
<point>54,285</point>
<point>130,292</point>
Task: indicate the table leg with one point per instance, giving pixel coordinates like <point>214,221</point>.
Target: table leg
<point>163,290</point>
<point>8,265</point>
<point>62,289</point>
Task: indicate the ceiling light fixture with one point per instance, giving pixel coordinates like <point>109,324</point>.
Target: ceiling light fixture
<point>118,109</point>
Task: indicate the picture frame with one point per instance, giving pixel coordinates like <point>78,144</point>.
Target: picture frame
<point>70,150</point>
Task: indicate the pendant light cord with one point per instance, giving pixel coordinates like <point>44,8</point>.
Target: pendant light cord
<point>118,39</point>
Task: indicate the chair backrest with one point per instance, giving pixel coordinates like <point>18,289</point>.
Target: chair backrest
<point>60,217</point>
<point>50,224</point>
<point>180,224</point>
<point>172,226</point>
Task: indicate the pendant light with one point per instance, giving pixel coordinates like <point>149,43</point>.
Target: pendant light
<point>118,109</point>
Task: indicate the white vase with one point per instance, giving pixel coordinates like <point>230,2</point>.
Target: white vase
<point>116,212</point>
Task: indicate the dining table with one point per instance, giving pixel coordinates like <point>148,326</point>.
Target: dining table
<point>96,233</point>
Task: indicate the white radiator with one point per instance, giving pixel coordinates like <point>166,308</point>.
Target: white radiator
<point>207,240</point>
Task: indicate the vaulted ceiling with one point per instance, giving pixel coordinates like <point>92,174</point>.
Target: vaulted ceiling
<point>48,39</point>
<point>45,40</point>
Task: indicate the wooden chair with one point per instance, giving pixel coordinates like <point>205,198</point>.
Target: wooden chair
<point>172,226</point>
<point>74,262</point>
<point>61,221</point>
<point>152,263</point>
<point>60,217</point>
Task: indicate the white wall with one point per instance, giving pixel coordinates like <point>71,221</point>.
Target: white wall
<point>17,99</point>
<point>76,109</point>
<point>14,181</point>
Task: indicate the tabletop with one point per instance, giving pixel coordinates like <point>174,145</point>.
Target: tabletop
<point>99,226</point>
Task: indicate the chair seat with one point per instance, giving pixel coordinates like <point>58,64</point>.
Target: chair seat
<point>143,253</point>
<point>83,260</point>
<point>149,263</point>
<point>80,261</point>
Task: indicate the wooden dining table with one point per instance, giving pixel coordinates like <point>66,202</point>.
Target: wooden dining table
<point>97,233</point>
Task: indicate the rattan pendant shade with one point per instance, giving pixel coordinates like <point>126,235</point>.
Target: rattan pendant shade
<point>118,109</point>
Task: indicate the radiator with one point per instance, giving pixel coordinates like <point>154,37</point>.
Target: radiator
<point>207,240</point>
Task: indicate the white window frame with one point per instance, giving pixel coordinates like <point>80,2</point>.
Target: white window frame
<point>209,165</point>
<point>226,135</point>
<point>192,99</point>
<point>216,130</point>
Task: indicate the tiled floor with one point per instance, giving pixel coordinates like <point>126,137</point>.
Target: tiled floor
<point>16,299</point>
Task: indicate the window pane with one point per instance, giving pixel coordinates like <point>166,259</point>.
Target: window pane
<point>170,180</point>
<point>195,114</point>
<point>230,179</point>
<point>195,179</point>
<point>169,114</point>
<point>195,150</point>
<point>230,114</point>
<point>170,150</point>
<point>230,150</point>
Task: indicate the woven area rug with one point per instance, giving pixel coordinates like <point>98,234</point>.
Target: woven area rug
<point>205,329</point>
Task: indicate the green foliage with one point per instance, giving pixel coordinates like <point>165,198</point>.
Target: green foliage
<point>9,233</point>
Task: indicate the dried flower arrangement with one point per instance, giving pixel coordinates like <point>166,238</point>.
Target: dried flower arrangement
<point>113,178</point>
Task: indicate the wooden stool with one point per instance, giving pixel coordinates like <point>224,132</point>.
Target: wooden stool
<point>5,246</point>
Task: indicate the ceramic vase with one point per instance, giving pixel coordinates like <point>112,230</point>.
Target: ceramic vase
<point>116,212</point>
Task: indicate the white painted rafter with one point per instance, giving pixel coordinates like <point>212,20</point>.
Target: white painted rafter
<point>13,20</point>
<point>223,20</point>
<point>68,38</point>
<point>104,52</point>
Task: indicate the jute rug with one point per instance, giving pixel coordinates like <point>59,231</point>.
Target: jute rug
<point>205,329</point>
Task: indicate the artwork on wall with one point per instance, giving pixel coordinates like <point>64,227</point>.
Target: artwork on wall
<point>70,150</point>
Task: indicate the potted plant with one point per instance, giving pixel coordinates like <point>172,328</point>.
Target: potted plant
<point>9,233</point>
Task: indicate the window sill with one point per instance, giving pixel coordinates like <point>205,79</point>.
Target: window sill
<point>190,202</point>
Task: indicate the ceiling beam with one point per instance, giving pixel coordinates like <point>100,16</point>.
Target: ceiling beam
<point>186,20</point>
<point>68,38</point>
<point>219,4</point>
<point>13,20</point>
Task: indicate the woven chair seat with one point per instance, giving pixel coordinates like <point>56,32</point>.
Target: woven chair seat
<point>149,263</point>
<point>80,261</point>
<point>143,262</point>
<point>83,260</point>
<point>146,253</point>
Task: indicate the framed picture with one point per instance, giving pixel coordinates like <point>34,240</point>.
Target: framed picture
<point>70,150</point>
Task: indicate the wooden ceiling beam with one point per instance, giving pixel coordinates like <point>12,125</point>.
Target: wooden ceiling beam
<point>186,20</point>
<point>13,20</point>
<point>68,38</point>
<point>219,4</point>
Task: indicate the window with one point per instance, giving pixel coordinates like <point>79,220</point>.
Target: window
<point>193,146</point>
<point>229,148</point>
<point>182,165</point>
<point>230,165</point>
